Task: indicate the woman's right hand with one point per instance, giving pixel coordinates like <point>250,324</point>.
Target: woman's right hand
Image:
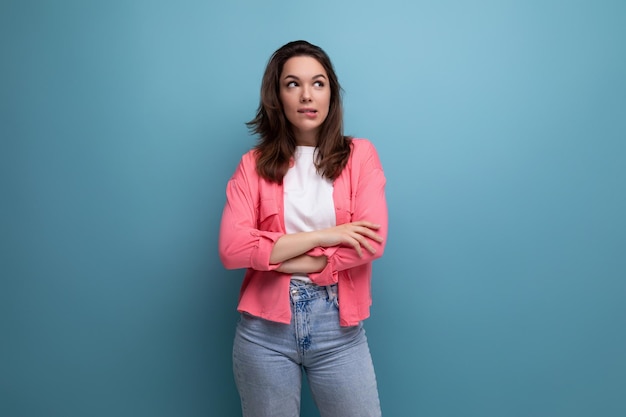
<point>355,234</point>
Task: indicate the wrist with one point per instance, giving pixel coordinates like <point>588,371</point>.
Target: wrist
<point>316,238</point>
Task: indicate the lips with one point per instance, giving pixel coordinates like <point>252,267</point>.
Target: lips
<point>308,112</point>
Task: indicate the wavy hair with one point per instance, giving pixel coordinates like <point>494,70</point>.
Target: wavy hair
<point>277,144</point>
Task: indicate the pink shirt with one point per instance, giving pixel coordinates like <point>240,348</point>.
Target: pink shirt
<point>253,220</point>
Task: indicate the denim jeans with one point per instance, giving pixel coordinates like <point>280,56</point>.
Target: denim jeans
<point>269,358</point>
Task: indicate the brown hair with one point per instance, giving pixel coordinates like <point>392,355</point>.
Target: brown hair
<point>277,143</point>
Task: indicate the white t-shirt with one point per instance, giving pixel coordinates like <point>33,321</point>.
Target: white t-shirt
<point>308,197</point>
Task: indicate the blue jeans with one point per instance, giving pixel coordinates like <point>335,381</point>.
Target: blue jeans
<point>269,357</point>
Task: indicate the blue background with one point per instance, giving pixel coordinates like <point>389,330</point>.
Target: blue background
<point>502,129</point>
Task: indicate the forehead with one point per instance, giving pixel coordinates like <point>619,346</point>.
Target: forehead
<point>303,67</point>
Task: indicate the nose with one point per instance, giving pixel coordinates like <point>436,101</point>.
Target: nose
<point>305,96</point>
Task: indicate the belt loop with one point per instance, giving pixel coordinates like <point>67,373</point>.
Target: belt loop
<point>332,294</point>
<point>293,291</point>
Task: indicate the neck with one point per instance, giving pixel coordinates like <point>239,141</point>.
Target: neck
<point>306,141</point>
<point>306,138</point>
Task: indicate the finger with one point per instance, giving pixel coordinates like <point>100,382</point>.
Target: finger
<point>368,224</point>
<point>369,233</point>
<point>363,242</point>
<point>369,247</point>
<point>357,246</point>
<point>366,243</point>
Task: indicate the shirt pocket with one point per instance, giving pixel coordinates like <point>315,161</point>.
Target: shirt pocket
<point>269,219</point>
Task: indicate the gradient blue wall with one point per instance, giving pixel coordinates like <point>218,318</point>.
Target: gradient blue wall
<point>502,128</point>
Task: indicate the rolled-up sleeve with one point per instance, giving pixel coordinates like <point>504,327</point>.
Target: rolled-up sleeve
<point>368,202</point>
<point>241,243</point>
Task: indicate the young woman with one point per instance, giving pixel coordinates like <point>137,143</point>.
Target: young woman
<point>305,215</point>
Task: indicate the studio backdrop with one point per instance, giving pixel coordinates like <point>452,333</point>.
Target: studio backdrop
<point>501,126</point>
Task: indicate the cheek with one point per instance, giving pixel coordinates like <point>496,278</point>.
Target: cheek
<point>327,105</point>
<point>324,114</point>
<point>287,103</point>
<point>327,100</point>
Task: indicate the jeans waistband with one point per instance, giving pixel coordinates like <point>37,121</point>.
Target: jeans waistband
<point>302,291</point>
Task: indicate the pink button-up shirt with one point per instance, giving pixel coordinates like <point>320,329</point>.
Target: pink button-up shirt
<point>253,219</point>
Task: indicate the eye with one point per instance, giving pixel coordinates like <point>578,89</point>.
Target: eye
<point>292,84</point>
<point>318,84</point>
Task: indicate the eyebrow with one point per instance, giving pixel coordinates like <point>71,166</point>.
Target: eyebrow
<point>313,78</point>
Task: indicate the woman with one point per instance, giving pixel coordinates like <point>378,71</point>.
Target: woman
<point>306,215</point>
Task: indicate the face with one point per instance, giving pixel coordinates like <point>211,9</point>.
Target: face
<point>305,96</point>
